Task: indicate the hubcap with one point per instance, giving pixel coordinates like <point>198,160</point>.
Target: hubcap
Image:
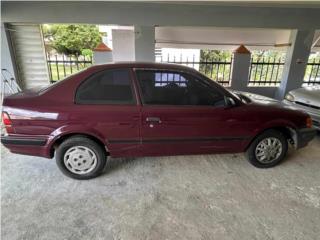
<point>80,160</point>
<point>268,150</point>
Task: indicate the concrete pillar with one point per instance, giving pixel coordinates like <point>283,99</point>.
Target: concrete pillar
<point>240,68</point>
<point>296,60</point>
<point>123,45</point>
<point>144,42</point>
<point>102,54</point>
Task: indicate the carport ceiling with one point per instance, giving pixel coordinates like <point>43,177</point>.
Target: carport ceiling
<point>225,38</point>
<point>254,3</point>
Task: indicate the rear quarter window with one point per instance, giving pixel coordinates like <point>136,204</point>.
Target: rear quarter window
<point>112,86</point>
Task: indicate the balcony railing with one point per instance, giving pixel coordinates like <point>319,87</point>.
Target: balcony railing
<point>266,72</point>
<point>60,66</point>
<point>312,74</point>
<point>217,70</point>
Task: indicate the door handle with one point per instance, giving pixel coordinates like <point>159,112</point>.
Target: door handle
<point>153,120</point>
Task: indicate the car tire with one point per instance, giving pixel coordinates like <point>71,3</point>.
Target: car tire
<point>80,158</point>
<point>268,149</point>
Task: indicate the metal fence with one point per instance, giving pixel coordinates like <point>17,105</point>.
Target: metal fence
<point>60,66</point>
<point>217,70</point>
<point>312,74</point>
<point>266,71</point>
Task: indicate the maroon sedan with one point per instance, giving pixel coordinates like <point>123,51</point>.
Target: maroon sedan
<point>146,109</point>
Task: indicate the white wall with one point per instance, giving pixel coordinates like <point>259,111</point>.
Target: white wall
<point>123,45</point>
<point>133,45</point>
<point>144,43</point>
<point>226,38</point>
<point>180,55</point>
<point>108,30</point>
<point>102,57</point>
<point>6,60</point>
<point>221,38</point>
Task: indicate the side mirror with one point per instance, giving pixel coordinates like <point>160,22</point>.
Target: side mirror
<point>230,102</point>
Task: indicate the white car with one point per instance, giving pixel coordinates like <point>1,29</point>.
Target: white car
<point>306,99</point>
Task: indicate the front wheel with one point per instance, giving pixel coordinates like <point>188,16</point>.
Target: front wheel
<point>80,157</point>
<point>268,149</point>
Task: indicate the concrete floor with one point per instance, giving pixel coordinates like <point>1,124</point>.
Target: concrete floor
<point>185,197</point>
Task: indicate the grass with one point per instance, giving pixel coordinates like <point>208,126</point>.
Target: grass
<point>64,71</point>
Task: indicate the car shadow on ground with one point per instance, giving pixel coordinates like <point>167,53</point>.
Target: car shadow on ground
<point>115,164</point>
<point>292,153</point>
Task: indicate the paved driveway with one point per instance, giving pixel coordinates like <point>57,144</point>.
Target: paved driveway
<point>185,197</point>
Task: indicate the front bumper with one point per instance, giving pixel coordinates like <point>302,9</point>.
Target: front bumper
<point>314,113</point>
<point>304,136</point>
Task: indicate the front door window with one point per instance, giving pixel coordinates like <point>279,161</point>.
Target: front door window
<point>161,87</point>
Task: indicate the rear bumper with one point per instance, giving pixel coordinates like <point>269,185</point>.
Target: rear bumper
<point>35,146</point>
<point>8,140</point>
<point>304,136</point>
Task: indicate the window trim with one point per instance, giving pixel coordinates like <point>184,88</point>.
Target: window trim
<point>177,71</point>
<point>132,86</point>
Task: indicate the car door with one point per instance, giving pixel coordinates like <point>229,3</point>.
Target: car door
<point>183,114</point>
<point>106,103</point>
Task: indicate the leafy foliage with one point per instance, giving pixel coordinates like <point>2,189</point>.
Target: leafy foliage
<point>72,38</point>
<point>267,54</point>
<point>215,55</point>
<point>87,52</point>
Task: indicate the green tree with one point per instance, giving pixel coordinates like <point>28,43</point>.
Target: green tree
<point>215,55</point>
<point>87,52</point>
<point>71,38</point>
<point>272,55</point>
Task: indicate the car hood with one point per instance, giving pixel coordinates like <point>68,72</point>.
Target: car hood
<point>308,95</point>
<point>258,98</point>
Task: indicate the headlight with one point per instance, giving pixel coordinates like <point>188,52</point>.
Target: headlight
<point>289,97</point>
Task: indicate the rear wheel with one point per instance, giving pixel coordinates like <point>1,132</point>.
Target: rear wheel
<point>268,149</point>
<point>81,158</point>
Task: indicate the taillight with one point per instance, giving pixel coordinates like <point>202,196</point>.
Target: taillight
<point>309,122</point>
<point>7,122</point>
<point>6,119</point>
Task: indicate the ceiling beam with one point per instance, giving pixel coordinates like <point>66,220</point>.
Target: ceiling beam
<point>161,14</point>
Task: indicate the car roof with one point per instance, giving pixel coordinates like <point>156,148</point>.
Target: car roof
<point>170,66</point>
